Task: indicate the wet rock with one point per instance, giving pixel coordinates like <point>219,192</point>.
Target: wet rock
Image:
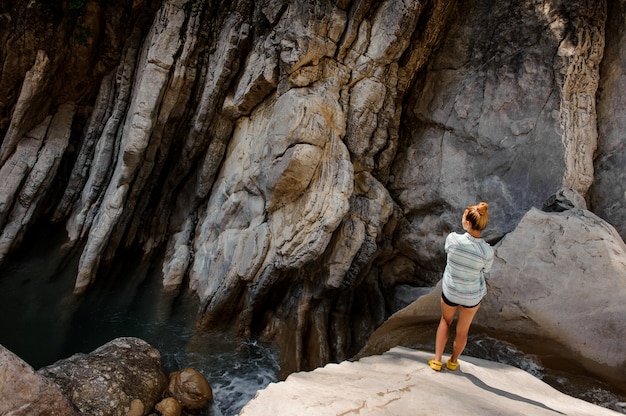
<point>24,392</point>
<point>190,388</point>
<point>121,376</point>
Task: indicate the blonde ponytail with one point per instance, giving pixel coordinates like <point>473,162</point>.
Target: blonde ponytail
<point>478,215</point>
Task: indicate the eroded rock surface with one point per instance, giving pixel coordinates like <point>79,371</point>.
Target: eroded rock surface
<point>608,193</point>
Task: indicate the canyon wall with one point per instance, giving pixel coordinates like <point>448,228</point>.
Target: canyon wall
<point>297,164</point>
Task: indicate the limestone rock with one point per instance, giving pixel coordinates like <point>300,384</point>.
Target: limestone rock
<point>400,382</point>
<point>481,113</point>
<point>30,168</point>
<point>26,107</point>
<point>136,149</point>
<point>548,261</point>
<point>111,380</point>
<point>190,388</point>
<point>27,393</point>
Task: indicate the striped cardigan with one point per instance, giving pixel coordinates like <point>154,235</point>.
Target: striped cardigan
<point>469,258</point>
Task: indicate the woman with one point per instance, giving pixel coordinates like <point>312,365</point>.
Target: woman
<point>463,283</point>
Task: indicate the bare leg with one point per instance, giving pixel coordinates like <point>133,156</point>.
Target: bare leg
<point>466,315</point>
<point>443,330</point>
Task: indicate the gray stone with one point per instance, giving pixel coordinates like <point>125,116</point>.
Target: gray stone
<point>563,200</point>
<point>562,275</point>
<point>607,196</point>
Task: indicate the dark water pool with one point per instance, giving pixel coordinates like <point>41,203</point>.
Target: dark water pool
<point>42,322</point>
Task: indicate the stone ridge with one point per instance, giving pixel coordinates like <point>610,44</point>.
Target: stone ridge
<point>399,382</point>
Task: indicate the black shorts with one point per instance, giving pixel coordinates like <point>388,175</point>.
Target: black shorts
<point>450,303</point>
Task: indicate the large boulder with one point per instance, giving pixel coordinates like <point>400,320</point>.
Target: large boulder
<point>23,392</point>
<point>560,275</point>
<point>110,380</point>
<point>564,275</point>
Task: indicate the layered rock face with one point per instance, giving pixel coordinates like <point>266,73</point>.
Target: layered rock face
<point>297,161</point>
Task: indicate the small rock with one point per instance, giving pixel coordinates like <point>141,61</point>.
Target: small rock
<point>169,407</point>
<point>136,408</point>
<point>563,200</point>
<point>190,388</point>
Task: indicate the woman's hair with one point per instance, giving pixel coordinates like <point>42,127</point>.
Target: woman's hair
<point>478,215</point>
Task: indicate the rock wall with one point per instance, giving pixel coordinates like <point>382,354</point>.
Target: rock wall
<point>298,161</point>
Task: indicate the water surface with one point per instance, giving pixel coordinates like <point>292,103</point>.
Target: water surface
<point>42,321</point>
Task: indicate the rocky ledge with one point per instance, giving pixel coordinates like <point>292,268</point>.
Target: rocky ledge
<point>399,382</point>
